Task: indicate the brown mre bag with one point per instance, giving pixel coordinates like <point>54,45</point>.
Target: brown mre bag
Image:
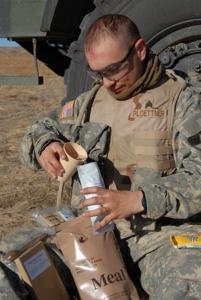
<point>95,262</point>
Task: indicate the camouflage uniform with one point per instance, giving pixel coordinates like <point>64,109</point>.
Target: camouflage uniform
<point>6,293</point>
<point>173,201</point>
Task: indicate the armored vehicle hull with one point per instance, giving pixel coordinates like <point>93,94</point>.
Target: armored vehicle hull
<point>53,31</point>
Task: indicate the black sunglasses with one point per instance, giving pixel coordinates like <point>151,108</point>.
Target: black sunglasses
<point>111,69</point>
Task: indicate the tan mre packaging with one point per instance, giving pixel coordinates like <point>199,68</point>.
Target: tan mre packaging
<point>95,262</point>
<point>37,270</point>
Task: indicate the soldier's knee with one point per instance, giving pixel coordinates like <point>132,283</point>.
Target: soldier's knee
<point>172,288</point>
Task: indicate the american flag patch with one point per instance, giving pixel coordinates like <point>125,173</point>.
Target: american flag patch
<point>67,110</point>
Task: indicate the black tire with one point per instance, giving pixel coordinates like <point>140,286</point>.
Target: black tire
<point>162,23</point>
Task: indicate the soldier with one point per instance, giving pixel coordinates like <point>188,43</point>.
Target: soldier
<point>143,125</point>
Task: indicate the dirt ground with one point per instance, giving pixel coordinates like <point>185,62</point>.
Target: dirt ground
<point>23,191</point>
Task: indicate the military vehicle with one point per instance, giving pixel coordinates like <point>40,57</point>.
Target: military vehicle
<point>53,31</point>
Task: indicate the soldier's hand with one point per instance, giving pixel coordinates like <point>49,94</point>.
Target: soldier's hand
<point>49,159</point>
<point>114,204</point>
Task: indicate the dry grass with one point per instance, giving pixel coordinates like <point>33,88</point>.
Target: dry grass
<point>23,190</point>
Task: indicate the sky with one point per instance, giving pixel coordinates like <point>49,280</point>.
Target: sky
<point>7,43</point>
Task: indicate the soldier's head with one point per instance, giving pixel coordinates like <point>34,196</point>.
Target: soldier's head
<point>115,52</point>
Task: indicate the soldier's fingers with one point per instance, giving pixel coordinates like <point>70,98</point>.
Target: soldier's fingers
<point>51,165</point>
<point>93,213</point>
<point>51,172</point>
<point>57,148</point>
<point>56,168</point>
<point>92,190</point>
<point>92,201</point>
<point>107,219</point>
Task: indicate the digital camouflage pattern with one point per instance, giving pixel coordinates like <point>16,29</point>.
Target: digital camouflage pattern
<point>58,127</point>
<point>6,292</point>
<point>173,201</point>
<point>172,274</point>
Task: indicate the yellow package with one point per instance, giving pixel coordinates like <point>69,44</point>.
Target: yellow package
<point>187,241</point>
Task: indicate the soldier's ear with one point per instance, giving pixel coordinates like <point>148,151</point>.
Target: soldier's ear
<point>141,49</point>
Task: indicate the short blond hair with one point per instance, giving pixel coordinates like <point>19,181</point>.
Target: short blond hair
<point>116,26</point>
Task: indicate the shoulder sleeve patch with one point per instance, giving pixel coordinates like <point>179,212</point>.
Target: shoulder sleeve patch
<point>67,111</point>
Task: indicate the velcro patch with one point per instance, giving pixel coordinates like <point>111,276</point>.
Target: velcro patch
<point>67,111</point>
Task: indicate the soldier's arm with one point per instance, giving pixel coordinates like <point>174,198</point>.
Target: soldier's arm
<point>59,127</point>
<point>178,196</point>
<point>54,127</point>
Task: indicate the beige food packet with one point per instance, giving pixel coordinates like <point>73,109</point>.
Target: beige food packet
<point>95,262</point>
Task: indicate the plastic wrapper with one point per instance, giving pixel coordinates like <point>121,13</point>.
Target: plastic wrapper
<point>187,241</point>
<point>50,217</point>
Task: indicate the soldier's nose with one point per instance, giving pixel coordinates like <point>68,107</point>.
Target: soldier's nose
<point>108,82</point>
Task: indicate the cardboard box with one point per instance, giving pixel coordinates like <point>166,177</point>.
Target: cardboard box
<point>38,271</point>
